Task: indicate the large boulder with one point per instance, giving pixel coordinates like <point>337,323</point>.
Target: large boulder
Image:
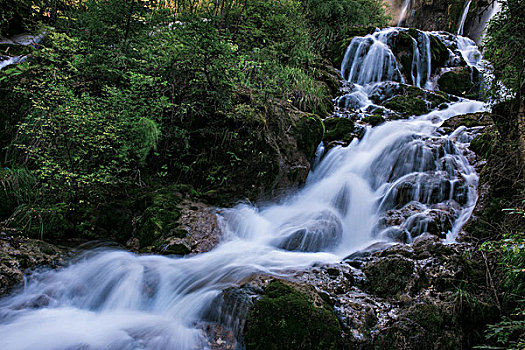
<point>457,82</point>
<point>311,232</point>
<point>338,129</point>
<point>287,318</point>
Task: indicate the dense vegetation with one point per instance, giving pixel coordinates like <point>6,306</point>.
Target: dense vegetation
<point>501,225</point>
<point>125,97</point>
<point>126,102</point>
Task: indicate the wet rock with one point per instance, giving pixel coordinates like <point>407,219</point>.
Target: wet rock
<point>311,232</point>
<point>338,129</point>
<point>231,308</point>
<point>368,251</point>
<point>388,276</point>
<point>17,254</point>
<point>405,296</point>
<point>425,188</point>
<point>199,228</point>
<point>413,155</point>
<point>288,318</point>
<point>468,120</point>
<point>434,15</point>
<point>457,83</point>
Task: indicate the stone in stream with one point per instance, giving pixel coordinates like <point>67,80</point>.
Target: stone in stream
<point>311,232</point>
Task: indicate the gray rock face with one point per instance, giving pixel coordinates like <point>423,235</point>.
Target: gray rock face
<point>17,254</point>
<point>403,296</point>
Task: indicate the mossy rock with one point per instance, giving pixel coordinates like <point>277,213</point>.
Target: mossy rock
<point>484,144</point>
<point>330,76</point>
<point>160,218</point>
<point>469,120</point>
<point>285,318</point>
<point>456,83</point>
<point>434,98</point>
<point>438,52</point>
<point>308,132</point>
<point>338,129</point>
<point>411,100</point>
<point>403,42</point>
<point>406,66</point>
<point>388,276</point>
<point>374,119</point>
<point>427,316</point>
<point>407,106</point>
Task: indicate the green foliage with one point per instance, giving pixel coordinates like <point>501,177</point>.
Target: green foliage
<point>509,332</point>
<point>509,253</point>
<point>146,94</point>
<point>334,20</point>
<point>484,144</point>
<point>17,16</point>
<point>285,318</point>
<point>504,47</point>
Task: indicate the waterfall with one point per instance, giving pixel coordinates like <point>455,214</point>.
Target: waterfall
<point>371,59</point>
<point>354,196</point>
<point>404,10</point>
<point>20,40</point>
<point>463,18</point>
<point>7,61</point>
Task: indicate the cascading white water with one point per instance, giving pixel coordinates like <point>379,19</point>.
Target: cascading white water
<point>421,62</point>
<point>110,299</point>
<point>21,40</point>
<point>404,10</point>
<point>463,18</point>
<point>10,60</point>
<point>370,59</point>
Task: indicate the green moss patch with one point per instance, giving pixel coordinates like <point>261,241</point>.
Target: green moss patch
<point>374,119</point>
<point>388,276</point>
<point>407,105</point>
<point>160,218</point>
<point>308,132</point>
<point>456,83</point>
<point>438,52</point>
<point>338,129</point>
<point>285,318</point>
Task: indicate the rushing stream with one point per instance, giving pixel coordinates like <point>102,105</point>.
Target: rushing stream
<point>112,299</point>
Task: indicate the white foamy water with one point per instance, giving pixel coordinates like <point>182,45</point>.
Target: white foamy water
<point>110,299</point>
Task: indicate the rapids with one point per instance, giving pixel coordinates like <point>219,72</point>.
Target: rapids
<point>112,299</point>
